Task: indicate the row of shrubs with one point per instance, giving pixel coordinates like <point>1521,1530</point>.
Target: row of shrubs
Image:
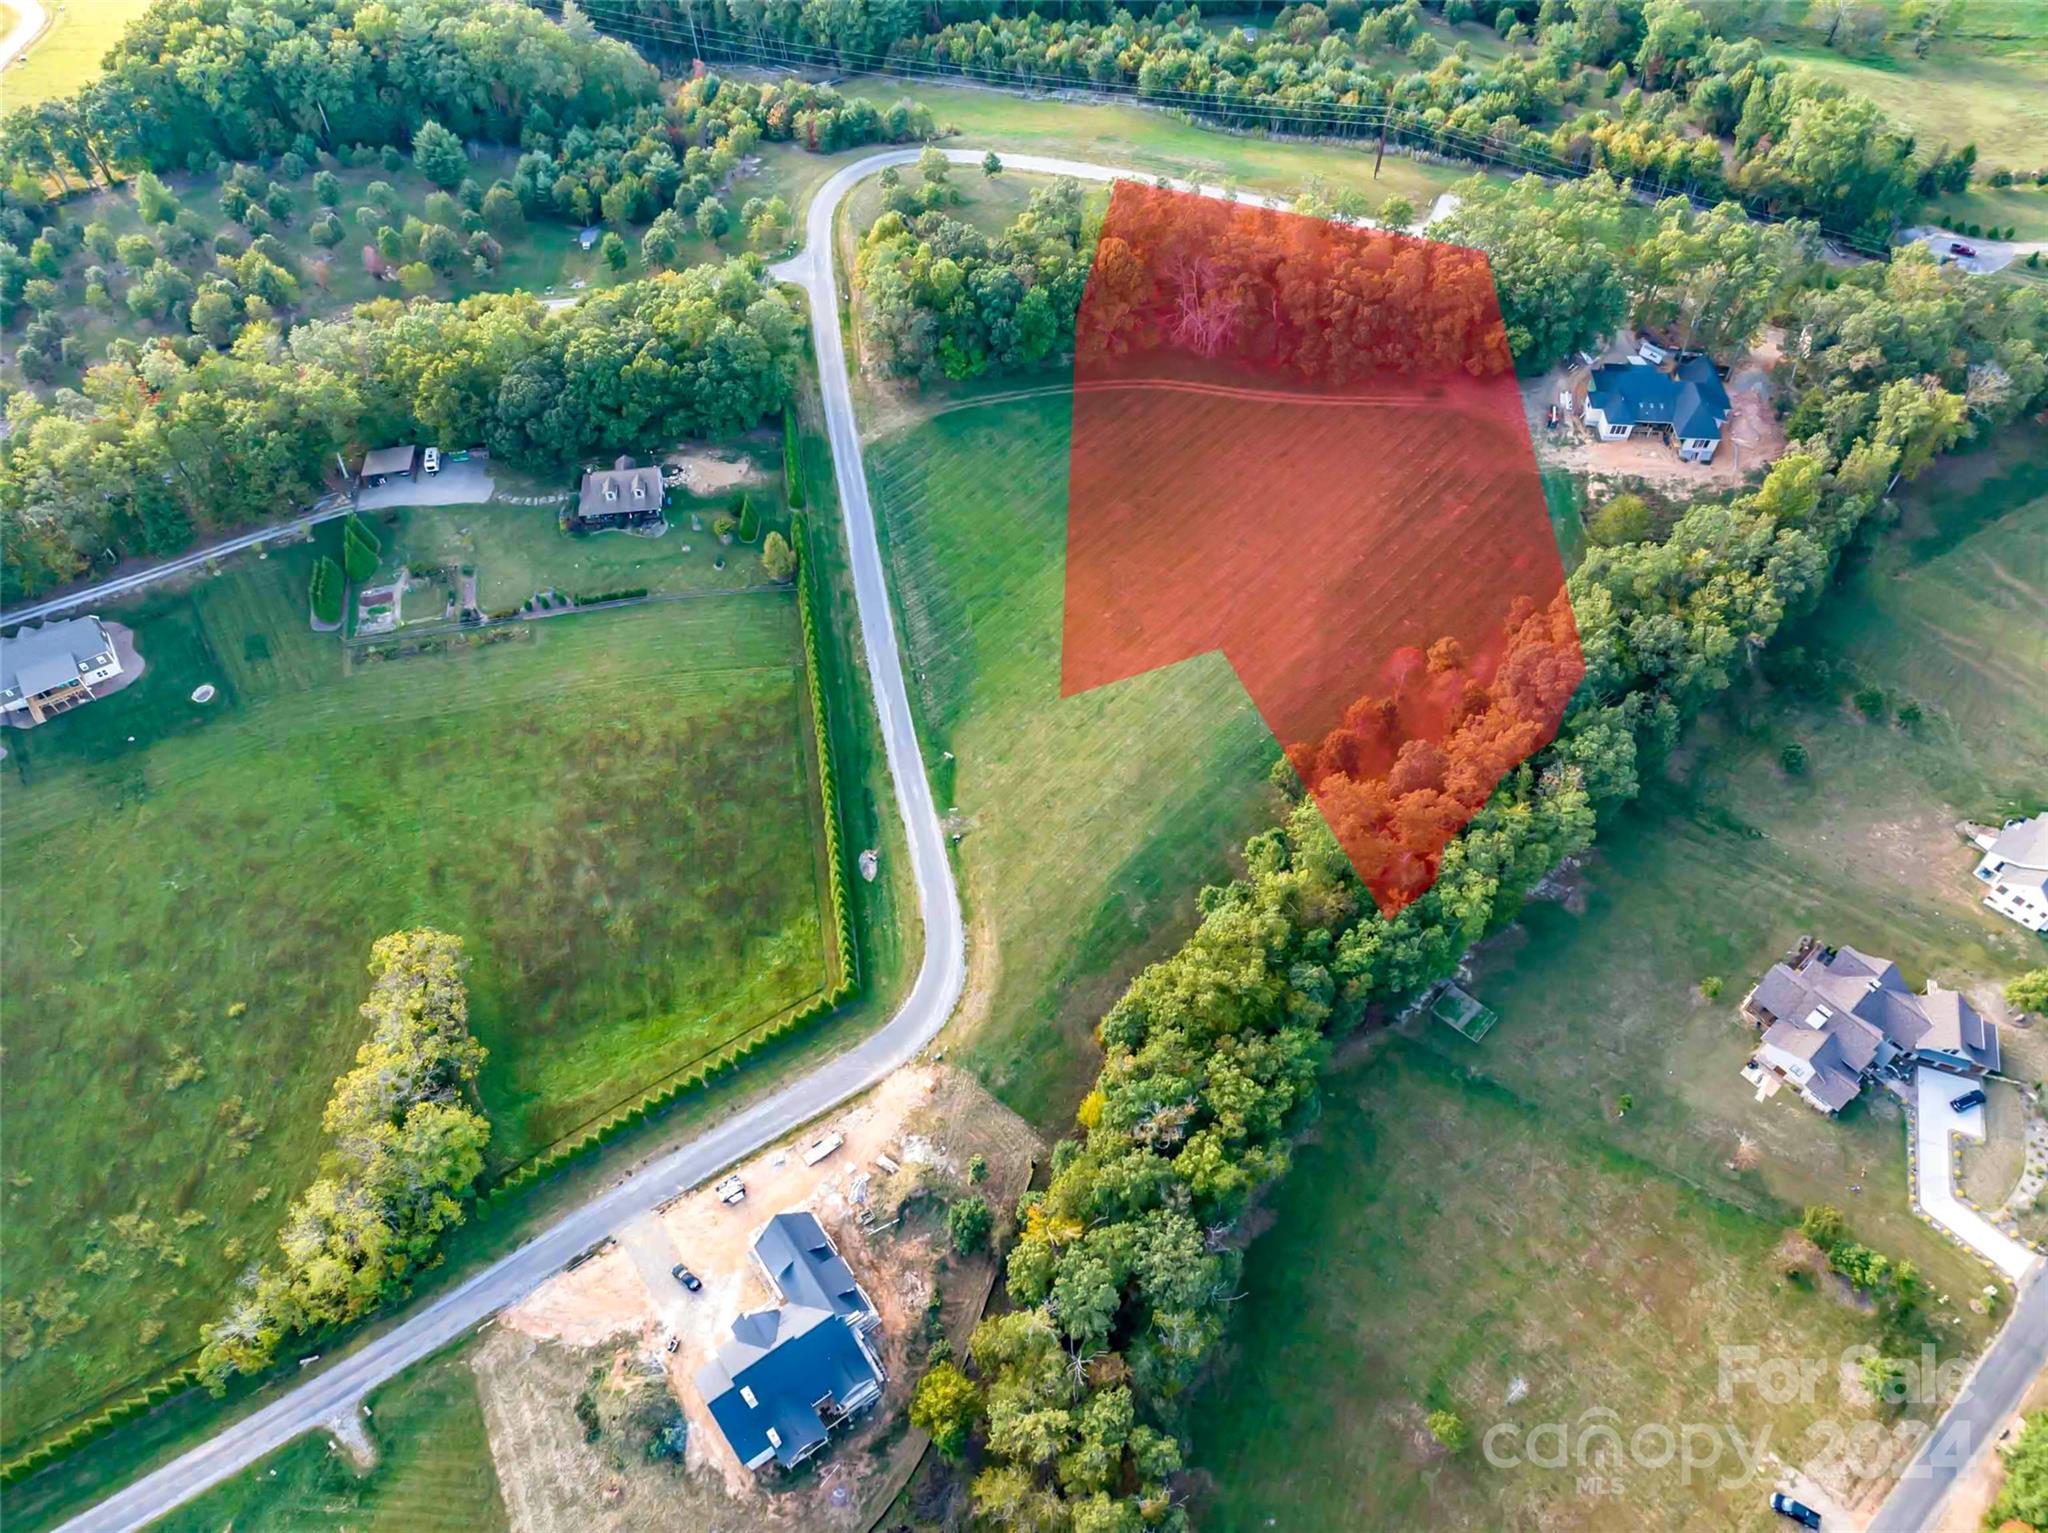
<point>792,460</point>
<point>93,1427</point>
<point>842,921</point>
<point>835,858</point>
<point>592,598</point>
<point>128,1409</point>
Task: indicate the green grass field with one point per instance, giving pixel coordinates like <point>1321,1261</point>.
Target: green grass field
<point>1153,141</point>
<point>68,54</point>
<point>616,810</point>
<point>1499,1210</point>
<point>1439,1240</point>
<point>1087,823</point>
<point>1981,90</point>
<point>433,1472</point>
<point>2023,209</point>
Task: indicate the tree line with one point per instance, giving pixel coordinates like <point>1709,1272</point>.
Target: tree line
<point>196,84</point>
<point>408,1148</point>
<point>156,450</point>
<point>1126,1262</point>
<point>1707,111</point>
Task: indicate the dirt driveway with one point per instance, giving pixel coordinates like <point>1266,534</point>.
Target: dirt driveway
<point>926,1120</point>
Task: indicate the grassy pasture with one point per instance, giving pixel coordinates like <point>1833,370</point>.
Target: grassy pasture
<point>1116,805</point>
<point>433,1472</point>
<point>2024,209</point>
<point>517,551</point>
<point>1992,92</point>
<point>1462,1215</point>
<point>616,810</point>
<point>68,54</point>
<point>1439,1239</point>
<point>1153,141</point>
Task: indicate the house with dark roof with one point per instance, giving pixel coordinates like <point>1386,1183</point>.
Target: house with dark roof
<point>1833,1018</point>
<point>2014,869</point>
<point>1687,406</point>
<point>791,1374</point>
<point>47,668</point>
<point>619,496</point>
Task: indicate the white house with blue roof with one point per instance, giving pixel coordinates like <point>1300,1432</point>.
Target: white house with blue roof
<point>792,1374</point>
<point>1687,407</point>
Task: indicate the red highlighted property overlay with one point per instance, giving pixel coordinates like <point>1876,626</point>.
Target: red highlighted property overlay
<point>1301,444</point>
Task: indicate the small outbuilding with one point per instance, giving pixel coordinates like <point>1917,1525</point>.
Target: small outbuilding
<point>382,463</point>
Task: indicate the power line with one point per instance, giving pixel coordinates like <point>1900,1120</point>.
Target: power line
<point>1340,120</point>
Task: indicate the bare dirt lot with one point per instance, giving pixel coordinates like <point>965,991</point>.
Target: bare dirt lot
<point>1752,438</point>
<point>710,473</point>
<point>615,1312</point>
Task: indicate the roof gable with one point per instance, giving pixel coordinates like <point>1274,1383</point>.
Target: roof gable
<point>752,1392</point>
<point>799,1258</point>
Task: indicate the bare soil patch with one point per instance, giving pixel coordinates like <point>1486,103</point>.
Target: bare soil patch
<point>620,1308</point>
<point>713,473</point>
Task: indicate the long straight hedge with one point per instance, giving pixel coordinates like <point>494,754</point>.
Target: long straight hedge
<point>93,1427</point>
<point>792,461</point>
<point>842,989</point>
<point>848,981</point>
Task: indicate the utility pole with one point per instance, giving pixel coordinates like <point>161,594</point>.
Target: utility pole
<point>1383,145</point>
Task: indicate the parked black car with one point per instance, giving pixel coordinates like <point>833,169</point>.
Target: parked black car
<point>1798,1511</point>
<point>1968,1100</point>
<point>686,1277</point>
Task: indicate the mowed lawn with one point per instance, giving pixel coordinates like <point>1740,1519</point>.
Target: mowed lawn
<point>518,551</point>
<point>1982,90</point>
<point>1109,134</point>
<point>433,1472</point>
<point>1439,1245</point>
<point>615,810</point>
<point>1562,1203</point>
<point>67,55</point>
<point>1087,824</point>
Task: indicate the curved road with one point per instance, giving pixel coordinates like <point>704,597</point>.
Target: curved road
<point>337,1389</point>
<point>1914,1503</point>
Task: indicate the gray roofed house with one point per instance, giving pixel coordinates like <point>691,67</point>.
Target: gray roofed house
<point>1688,406</point>
<point>804,1267</point>
<point>791,1374</point>
<point>50,667</point>
<point>2015,869</point>
<point>1834,1016</point>
<point>619,496</point>
<point>784,1381</point>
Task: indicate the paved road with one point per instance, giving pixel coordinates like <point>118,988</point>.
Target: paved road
<point>1992,1394</point>
<point>338,1388</point>
<point>326,509</point>
<point>29,21</point>
<point>939,980</point>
